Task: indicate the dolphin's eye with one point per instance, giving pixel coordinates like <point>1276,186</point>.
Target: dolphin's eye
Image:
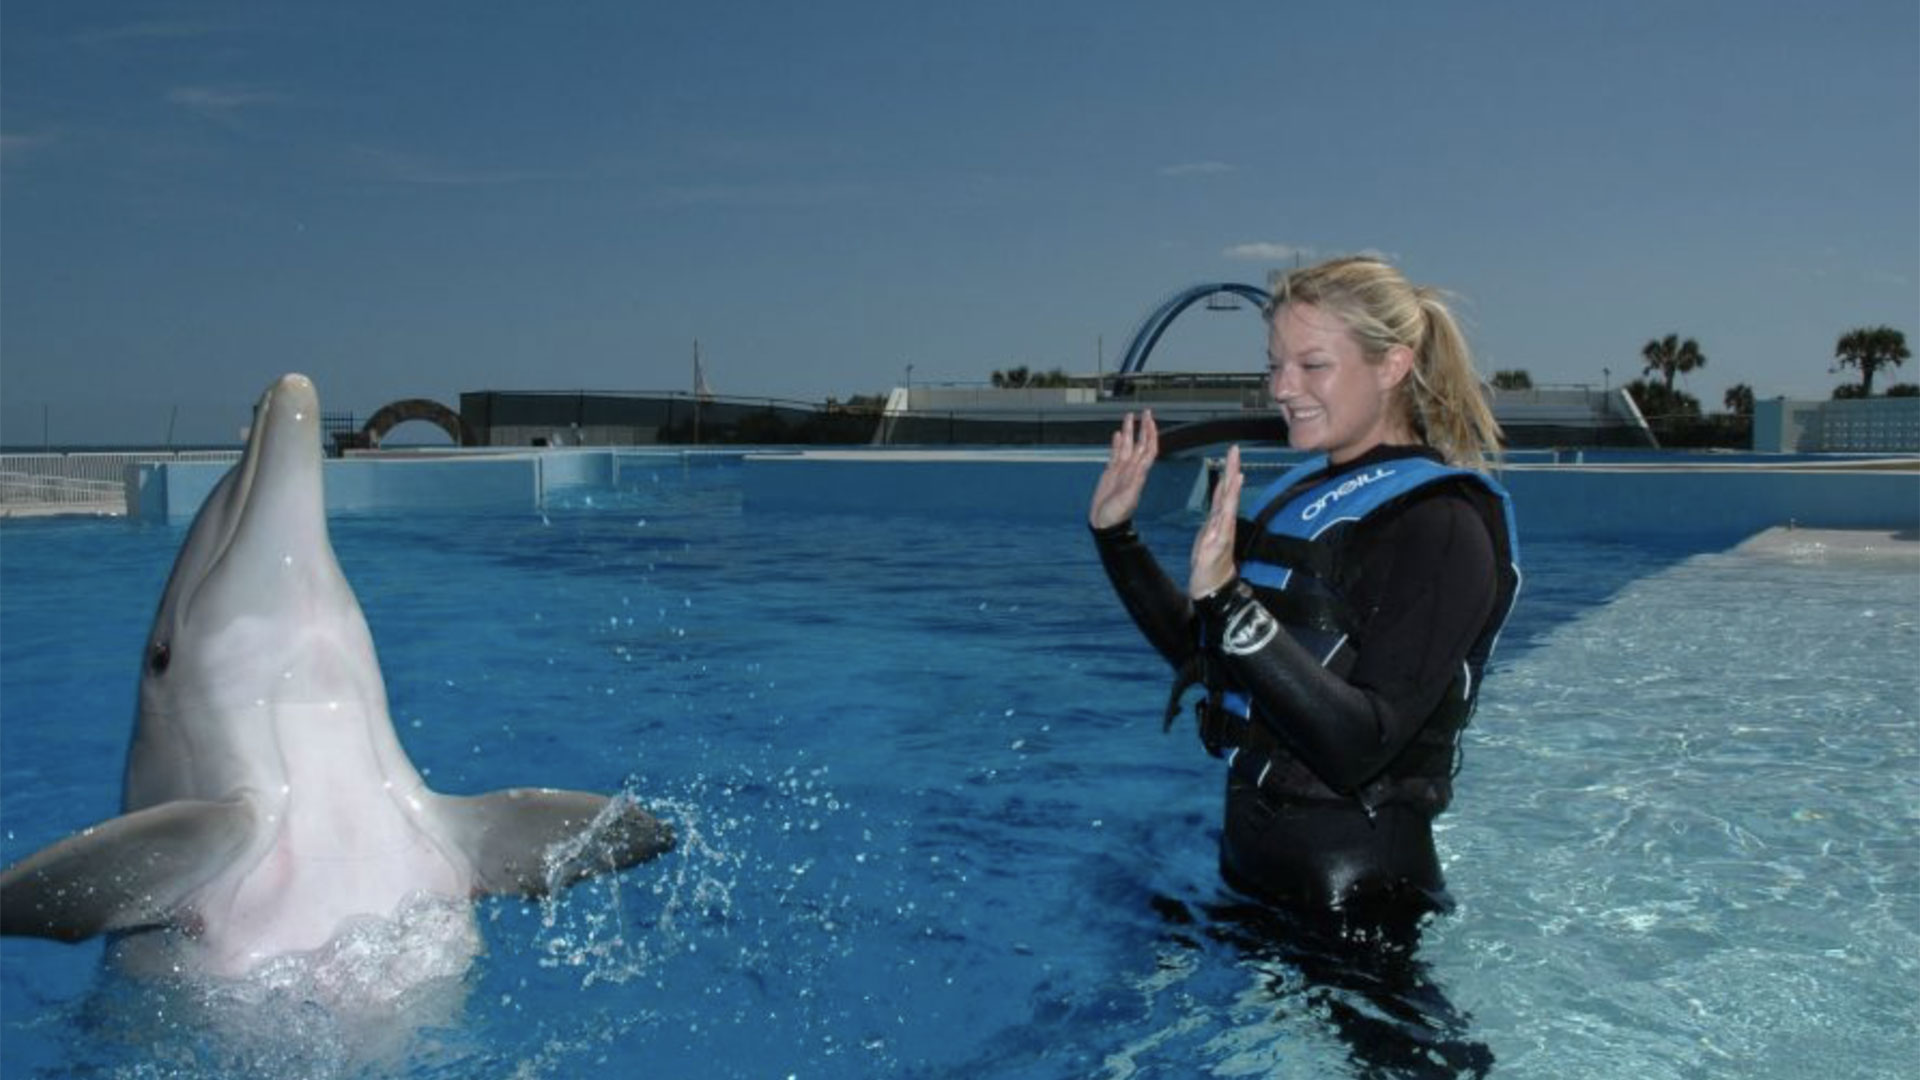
<point>162,656</point>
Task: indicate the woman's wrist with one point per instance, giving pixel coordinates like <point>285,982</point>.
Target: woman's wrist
<point>1222,599</point>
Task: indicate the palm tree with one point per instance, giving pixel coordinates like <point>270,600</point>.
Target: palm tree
<point>1739,399</point>
<point>1870,349</point>
<point>1671,356</point>
<point>1658,403</point>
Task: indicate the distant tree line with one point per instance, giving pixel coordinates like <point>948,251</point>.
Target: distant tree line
<point>1020,378</point>
<point>1675,415</point>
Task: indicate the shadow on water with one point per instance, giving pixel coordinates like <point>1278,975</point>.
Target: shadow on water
<point>1357,969</point>
<point>1176,974</point>
<point>1562,579</point>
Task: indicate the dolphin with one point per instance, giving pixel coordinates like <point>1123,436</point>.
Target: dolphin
<point>267,803</point>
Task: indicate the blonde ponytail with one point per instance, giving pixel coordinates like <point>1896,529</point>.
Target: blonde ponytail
<point>1446,392</point>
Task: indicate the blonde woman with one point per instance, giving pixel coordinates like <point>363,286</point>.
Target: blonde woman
<point>1342,627</point>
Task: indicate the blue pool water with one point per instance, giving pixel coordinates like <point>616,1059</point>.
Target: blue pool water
<point>932,828</point>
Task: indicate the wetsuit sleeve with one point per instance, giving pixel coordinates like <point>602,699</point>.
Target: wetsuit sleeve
<point>1427,584</point>
<point>1159,607</point>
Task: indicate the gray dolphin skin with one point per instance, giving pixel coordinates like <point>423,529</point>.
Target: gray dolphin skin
<point>267,801</point>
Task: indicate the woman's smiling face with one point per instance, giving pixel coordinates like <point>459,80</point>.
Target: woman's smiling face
<point>1334,400</point>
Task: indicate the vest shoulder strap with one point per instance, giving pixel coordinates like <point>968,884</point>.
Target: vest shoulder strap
<point>1287,510</point>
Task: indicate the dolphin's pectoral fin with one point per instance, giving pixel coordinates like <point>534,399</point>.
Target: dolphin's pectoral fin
<point>531,841</point>
<point>126,872</point>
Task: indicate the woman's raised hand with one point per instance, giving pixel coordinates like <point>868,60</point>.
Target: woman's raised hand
<point>1117,495</point>
<point>1212,566</point>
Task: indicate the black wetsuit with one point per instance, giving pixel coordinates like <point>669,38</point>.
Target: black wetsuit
<point>1423,582</point>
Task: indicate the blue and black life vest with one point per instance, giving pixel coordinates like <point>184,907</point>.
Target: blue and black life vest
<point>1292,554</point>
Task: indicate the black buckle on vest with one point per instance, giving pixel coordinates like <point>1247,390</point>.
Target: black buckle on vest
<point>1209,712</point>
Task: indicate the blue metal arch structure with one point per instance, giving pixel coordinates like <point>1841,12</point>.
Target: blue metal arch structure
<point>1145,338</point>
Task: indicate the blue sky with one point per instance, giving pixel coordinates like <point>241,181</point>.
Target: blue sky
<point>417,199</point>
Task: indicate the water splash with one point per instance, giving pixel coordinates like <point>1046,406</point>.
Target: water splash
<point>598,927</point>
<point>384,996</point>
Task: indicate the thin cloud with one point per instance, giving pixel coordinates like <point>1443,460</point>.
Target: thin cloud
<point>148,31</point>
<point>400,168</point>
<point>771,194</point>
<point>1196,168</point>
<point>13,147</point>
<point>220,103</point>
<point>1267,252</point>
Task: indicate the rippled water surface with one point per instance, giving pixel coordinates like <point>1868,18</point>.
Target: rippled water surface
<point>932,828</point>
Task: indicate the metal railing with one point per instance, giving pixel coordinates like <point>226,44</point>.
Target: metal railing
<point>19,489</point>
<point>83,481</point>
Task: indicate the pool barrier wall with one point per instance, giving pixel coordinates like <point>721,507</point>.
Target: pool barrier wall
<point>1706,500</point>
<point>1710,505</point>
<point>374,483</point>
